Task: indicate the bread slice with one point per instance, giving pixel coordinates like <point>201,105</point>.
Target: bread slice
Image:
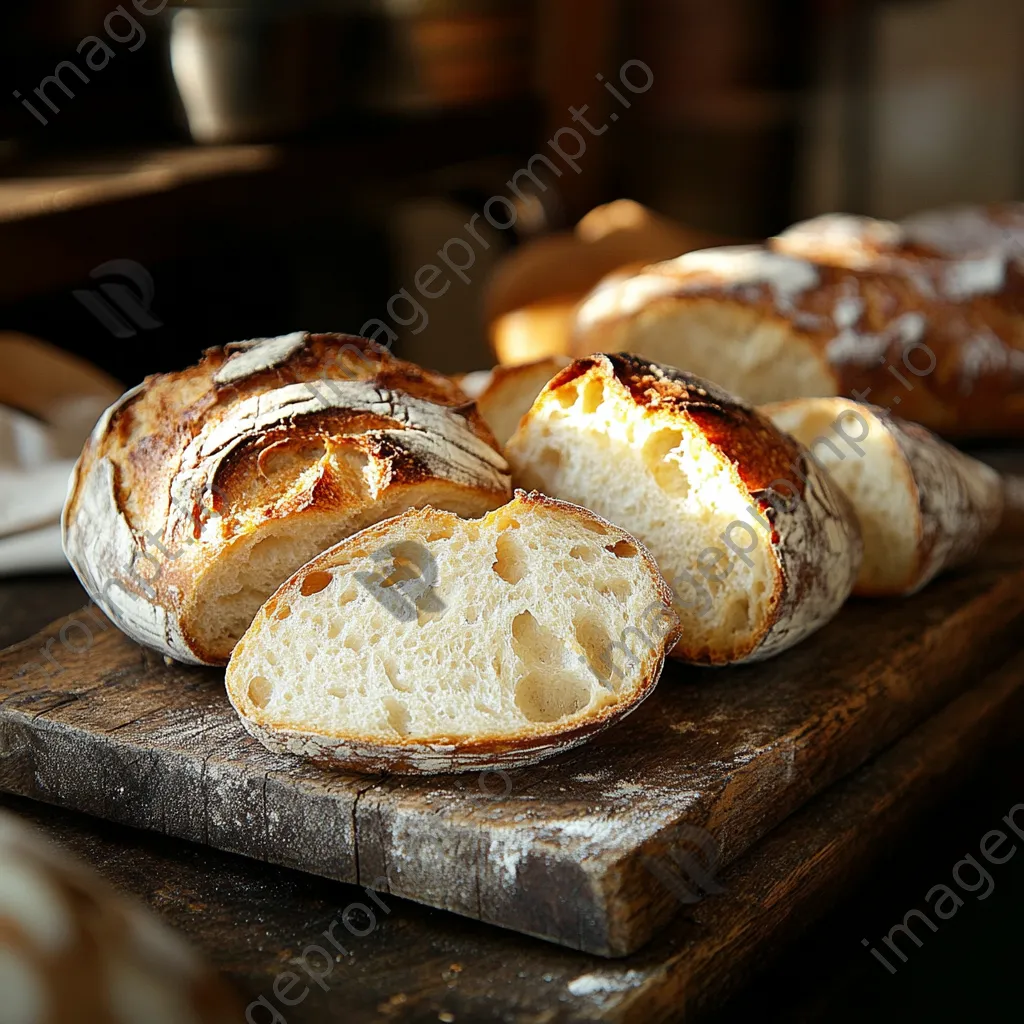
<point>430,643</point>
<point>511,391</point>
<point>758,544</point>
<point>922,505</point>
<point>200,492</point>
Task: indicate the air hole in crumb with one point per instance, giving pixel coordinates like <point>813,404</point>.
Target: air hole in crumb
<point>398,715</point>
<point>348,597</point>
<point>310,653</point>
<point>584,552</point>
<point>440,533</point>
<point>668,473</point>
<point>336,691</point>
<point>549,458</point>
<point>593,526</point>
<point>619,589</point>
<point>593,395</point>
<point>334,631</point>
<point>314,583</point>
<point>737,614</point>
<point>509,560</point>
<point>260,691</point>
<point>354,643</point>
<point>567,396</point>
<point>547,697</point>
<point>595,641</point>
<point>622,549</point>
<point>394,677</point>
<point>283,612</point>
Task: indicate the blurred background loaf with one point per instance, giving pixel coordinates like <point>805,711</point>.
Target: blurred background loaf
<point>195,208</point>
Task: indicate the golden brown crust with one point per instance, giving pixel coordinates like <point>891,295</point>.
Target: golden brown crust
<point>189,464</point>
<point>760,452</point>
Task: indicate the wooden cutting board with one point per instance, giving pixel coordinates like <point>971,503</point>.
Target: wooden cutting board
<point>566,850</point>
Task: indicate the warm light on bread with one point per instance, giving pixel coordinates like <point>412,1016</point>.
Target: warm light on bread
<point>689,470</point>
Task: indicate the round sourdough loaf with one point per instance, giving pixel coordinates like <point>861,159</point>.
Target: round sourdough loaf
<point>430,643</point>
<point>200,492</point>
<point>759,546</point>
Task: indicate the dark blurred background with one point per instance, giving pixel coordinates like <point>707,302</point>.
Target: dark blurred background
<point>277,165</point>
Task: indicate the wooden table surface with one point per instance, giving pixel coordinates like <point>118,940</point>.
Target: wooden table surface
<point>250,919</point>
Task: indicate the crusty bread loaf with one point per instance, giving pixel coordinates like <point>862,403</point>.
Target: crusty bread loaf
<point>511,391</point>
<point>430,643</point>
<point>531,298</point>
<point>537,331</point>
<point>201,491</point>
<point>837,306</point>
<point>759,546</point>
<point>72,951</point>
<point>922,505</point>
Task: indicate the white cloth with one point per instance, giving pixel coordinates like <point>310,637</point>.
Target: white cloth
<point>36,460</point>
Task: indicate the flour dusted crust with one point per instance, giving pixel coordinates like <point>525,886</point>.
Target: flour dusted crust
<point>80,952</point>
<point>923,505</point>
<point>804,521</point>
<point>338,657</point>
<point>200,491</point>
<point>925,318</point>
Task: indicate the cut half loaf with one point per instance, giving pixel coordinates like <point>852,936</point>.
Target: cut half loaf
<point>923,506</point>
<point>200,492</point>
<point>760,547</point>
<point>430,643</point>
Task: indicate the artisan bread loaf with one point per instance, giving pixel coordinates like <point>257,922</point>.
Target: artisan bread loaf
<point>922,505</point>
<point>430,643</point>
<point>200,492</point>
<point>532,296</point>
<point>838,306</point>
<point>72,951</point>
<point>511,391</point>
<point>759,545</point>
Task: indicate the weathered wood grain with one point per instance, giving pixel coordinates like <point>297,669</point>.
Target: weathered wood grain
<point>253,920</point>
<point>562,850</point>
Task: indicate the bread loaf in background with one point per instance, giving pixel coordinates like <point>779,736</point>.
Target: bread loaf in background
<point>430,643</point>
<point>758,544</point>
<point>924,318</point>
<point>73,951</point>
<point>200,492</point>
<point>923,506</point>
<point>531,298</point>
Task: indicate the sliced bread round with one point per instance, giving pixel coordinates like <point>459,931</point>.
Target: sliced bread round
<point>430,643</point>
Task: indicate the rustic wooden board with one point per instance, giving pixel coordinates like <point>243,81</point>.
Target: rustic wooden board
<point>564,850</point>
<point>253,921</point>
